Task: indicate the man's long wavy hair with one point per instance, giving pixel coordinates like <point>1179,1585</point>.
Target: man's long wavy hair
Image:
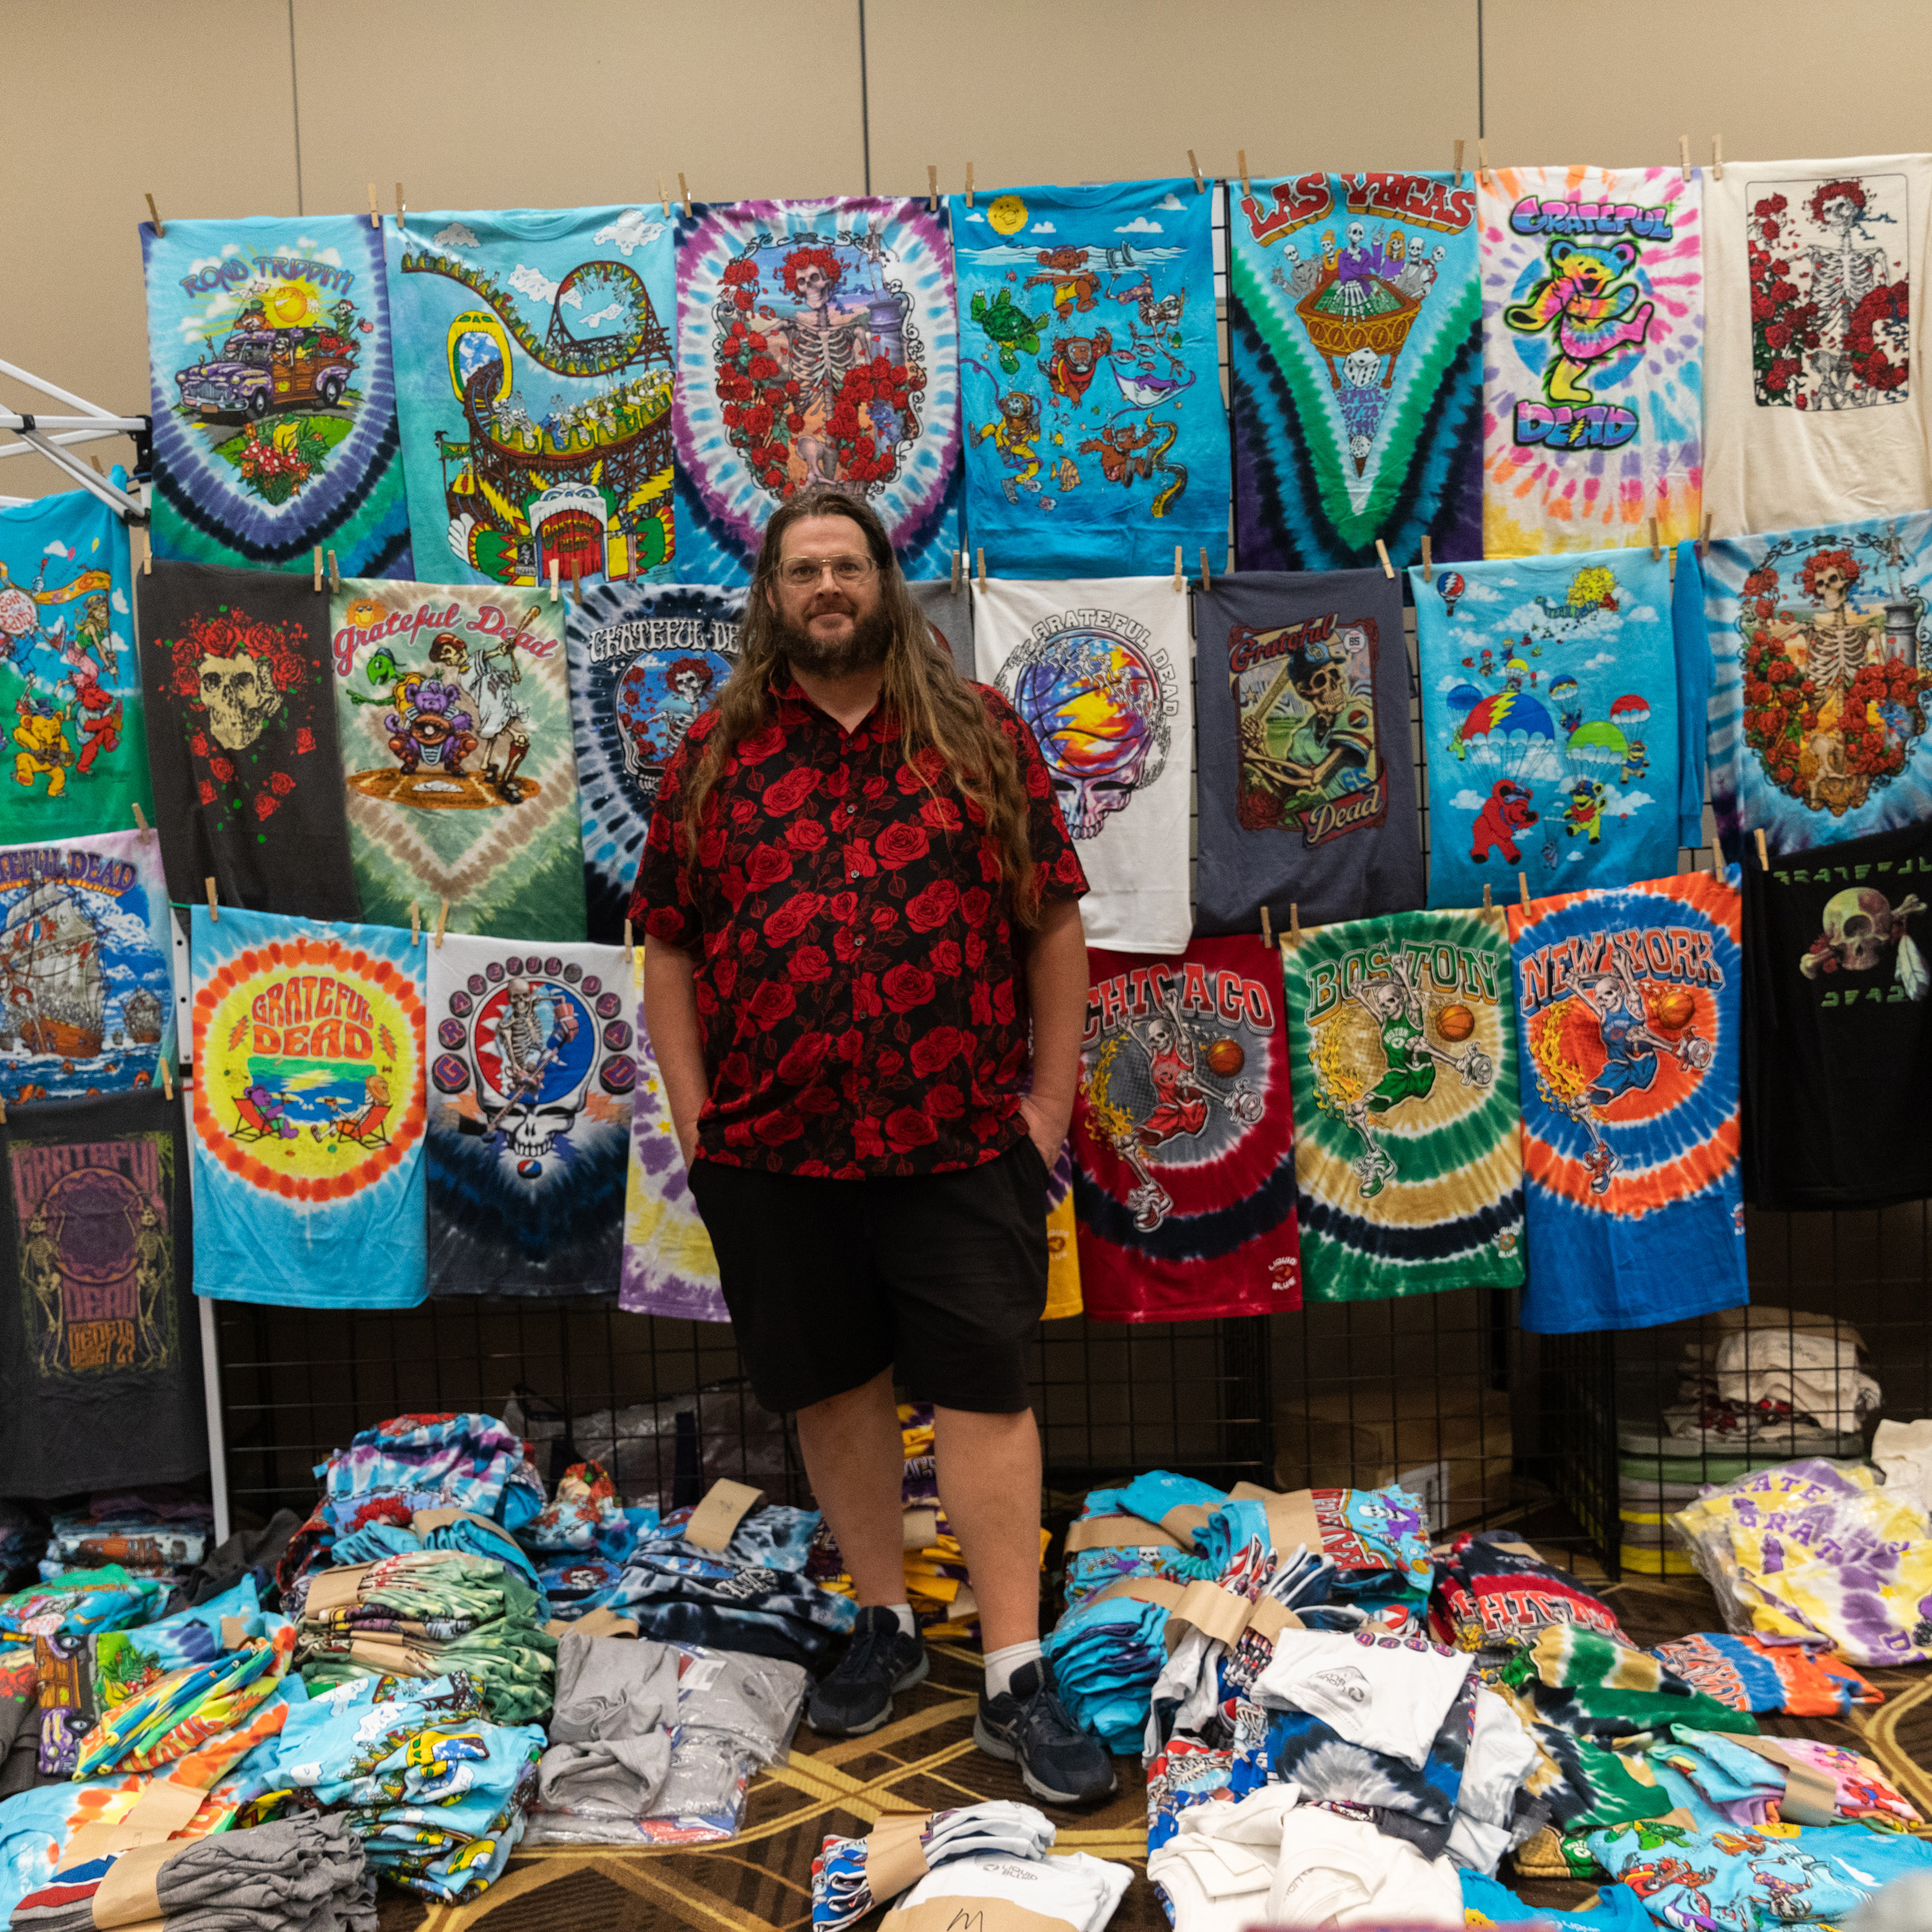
<point>935,707</point>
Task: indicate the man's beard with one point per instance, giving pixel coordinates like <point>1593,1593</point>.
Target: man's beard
<point>866,645</point>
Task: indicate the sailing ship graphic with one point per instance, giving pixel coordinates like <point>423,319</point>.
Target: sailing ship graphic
<point>52,991</point>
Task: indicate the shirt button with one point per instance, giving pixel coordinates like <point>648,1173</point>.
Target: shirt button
<point>853,873</point>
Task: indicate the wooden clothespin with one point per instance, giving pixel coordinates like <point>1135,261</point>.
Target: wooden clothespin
<point>1180,579</point>
<point>1522,880</point>
<point>318,569</point>
<point>214,905</point>
<point>2,1113</point>
<point>1382,550</point>
<point>1267,931</point>
<point>684,195</point>
<point>982,556</point>
<point>94,463</point>
<point>576,582</point>
<point>1683,155</point>
<point>1763,857</point>
<point>1294,916</point>
<point>553,592</point>
<point>140,817</point>
<point>1486,904</point>
<point>415,924</point>
<point>442,922</point>
<point>153,214</point>
<point>401,210</point>
<point>1717,156</point>
<point>375,220</point>
<point>969,185</point>
<point>1242,155</point>
<point>147,551</point>
<point>1206,581</point>
<point>1657,549</point>
<point>334,575</point>
<point>958,570</point>
<point>167,1078</point>
<point>1428,557</point>
<point>663,197</point>
<point>1482,163</point>
<point>1703,537</point>
<point>932,188</point>
<point>1459,164</point>
<point>627,947</point>
<point>1200,187</point>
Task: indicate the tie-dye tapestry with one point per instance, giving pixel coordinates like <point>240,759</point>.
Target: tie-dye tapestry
<point>1355,369</point>
<point>1090,372</point>
<point>816,345</point>
<point>1628,1012</point>
<point>1820,643</point>
<point>1593,332</point>
<point>274,394</point>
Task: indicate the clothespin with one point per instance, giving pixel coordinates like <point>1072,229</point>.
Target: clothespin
<point>576,582</point>
<point>400,210</point>
<point>1482,163</point>
<point>335,576</point>
<point>1764,858</point>
<point>663,197</point>
<point>214,906</point>
<point>318,568</point>
<point>1703,539</point>
<point>2,1113</point>
<point>554,592</point>
<point>1382,550</point>
<point>147,551</point>
<point>932,188</point>
<point>153,214</point>
<point>982,562</point>
<point>1180,579</point>
<point>1522,880</point>
<point>684,195</point>
<point>415,924</point>
<point>1657,549</point>
<point>140,817</point>
<point>1717,156</point>
<point>375,220</point>
<point>94,463</point>
<point>969,185</point>
<point>442,921</point>
<point>627,947</point>
<point>958,570</point>
<point>1459,164</point>
<point>1683,155</point>
<point>1294,916</point>
<point>1428,558</point>
<point>1200,187</point>
<point>1206,581</point>
<point>1267,931</point>
<point>167,1078</point>
<point>1242,155</point>
<point>1486,905</point>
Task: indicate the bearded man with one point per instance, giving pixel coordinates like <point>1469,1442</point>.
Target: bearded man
<point>866,982</point>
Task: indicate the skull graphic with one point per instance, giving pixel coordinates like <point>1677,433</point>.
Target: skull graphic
<point>239,693</point>
<point>536,1049</point>
<point>1859,923</point>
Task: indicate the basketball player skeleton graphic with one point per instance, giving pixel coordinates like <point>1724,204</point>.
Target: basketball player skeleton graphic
<point>1396,1007</point>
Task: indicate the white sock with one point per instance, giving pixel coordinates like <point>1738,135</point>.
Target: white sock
<point>908,1627</point>
<point>1000,1665</point>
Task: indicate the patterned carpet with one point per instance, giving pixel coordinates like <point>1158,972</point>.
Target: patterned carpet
<point>760,1881</point>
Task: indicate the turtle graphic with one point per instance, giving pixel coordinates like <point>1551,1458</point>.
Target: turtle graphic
<point>1010,326</point>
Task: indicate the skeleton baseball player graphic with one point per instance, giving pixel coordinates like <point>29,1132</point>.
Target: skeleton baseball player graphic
<point>1396,1007</point>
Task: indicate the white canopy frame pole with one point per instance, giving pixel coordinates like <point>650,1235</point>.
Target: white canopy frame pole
<point>91,423</point>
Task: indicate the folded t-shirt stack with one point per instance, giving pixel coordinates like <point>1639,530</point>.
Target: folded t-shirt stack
<point>850,1876</point>
<point>425,1613</point>
<point>1764,1782</point>
<point>1072,1888</point>
<point>1795,1680</point>
<point>1780,1376</point>
<point>1495,1595</point>
<point>610,1733</point>
<point>581,1539</point>
<point>162,1536</point>
<point>78,1602</point>
<point>301,1874</point>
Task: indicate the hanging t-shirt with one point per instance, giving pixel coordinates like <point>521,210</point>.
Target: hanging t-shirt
<point>70,688</point>
<point>1627,1009</point>
<point>533,388</point>
<point>1064,1297</point>
<point>248,787</point>
<point>1090,376</point>
<point>529,1117</point>
<point>670,1268</point>
<point>1693,646</point>
<point>1593,326</point>
<point>1099,672</point>
<point>99,1346</point>
<point>453,710</point>
<point>816,345</point>
<point>1183,1137</point>
<point>1817,379</point>
<point>1355,369</point>
<point>273,395</point>
<point>87,967</point>
<point>1403,1051</point>
<point>1306,793</point>
<point>1837,979</point>
<point>308,1112</point>
<point>1550,720</point>
<point>948,613</point>
<point>644,660</point>
<point>1821,687</point>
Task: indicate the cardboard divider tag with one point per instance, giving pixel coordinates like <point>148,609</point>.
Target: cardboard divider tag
<point>920,1529</point>
<point>1216,1613</point>
<point>425,1522</point>
<point>1810,1797</point>
<point>593,1622</point>
<point>160,1812</point>
<point>234,1632</point>
<point>725,1505</point>
<point>1119,1532</point>
<point>1291,1517</point>
<point>393,1655</point>
<point>129,1895</point>
<point>335,1589</point>
<point>1184,1522</point>
<point>1271,1619</point>
<point>968,1914</point>
<point>895,1854</point>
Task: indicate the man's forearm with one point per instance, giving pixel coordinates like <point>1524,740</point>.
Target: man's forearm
<point>670,1018</point>
<point>1056,990</point>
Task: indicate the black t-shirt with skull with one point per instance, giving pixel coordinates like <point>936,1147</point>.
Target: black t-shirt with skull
<point>1838,1024</point>
<point>236,671</point>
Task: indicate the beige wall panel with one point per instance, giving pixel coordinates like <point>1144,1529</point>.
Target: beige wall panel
<point>107,100</point>
<point>1098,90</point>
<point>498,104</point>
<point>1779,80</point>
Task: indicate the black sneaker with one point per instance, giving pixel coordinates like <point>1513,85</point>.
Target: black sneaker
<point>1027,1724</point>
<point>856,1697</point>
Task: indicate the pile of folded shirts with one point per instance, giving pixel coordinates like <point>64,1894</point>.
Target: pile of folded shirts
<point>584,1521</point>
<point>81,1600</point>
<point>1107,1655</point>
<point>428,1613</point>
<point>1775,1375</point>
<point>1495,1595</point>
<point>1792,1680</point>
<point>850,1876</point>
<point>1760,1782</point>
<point>161,1537</point>
<point>302,1874</point>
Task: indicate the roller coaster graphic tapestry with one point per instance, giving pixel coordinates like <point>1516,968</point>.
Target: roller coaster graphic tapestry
<point>534,381</point>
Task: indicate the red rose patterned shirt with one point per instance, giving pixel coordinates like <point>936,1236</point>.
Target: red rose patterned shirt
<point>858,977</point>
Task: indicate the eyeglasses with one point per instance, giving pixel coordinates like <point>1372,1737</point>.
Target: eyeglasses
<point>801,573</point>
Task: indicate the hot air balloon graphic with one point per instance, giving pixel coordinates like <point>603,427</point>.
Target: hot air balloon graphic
<point>1451,587</point>
<point>1597,746</point>
<point>1630,713</point>
<point>1512,733</point>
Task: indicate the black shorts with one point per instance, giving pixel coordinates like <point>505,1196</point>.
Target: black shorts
<point>828,1281</point>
